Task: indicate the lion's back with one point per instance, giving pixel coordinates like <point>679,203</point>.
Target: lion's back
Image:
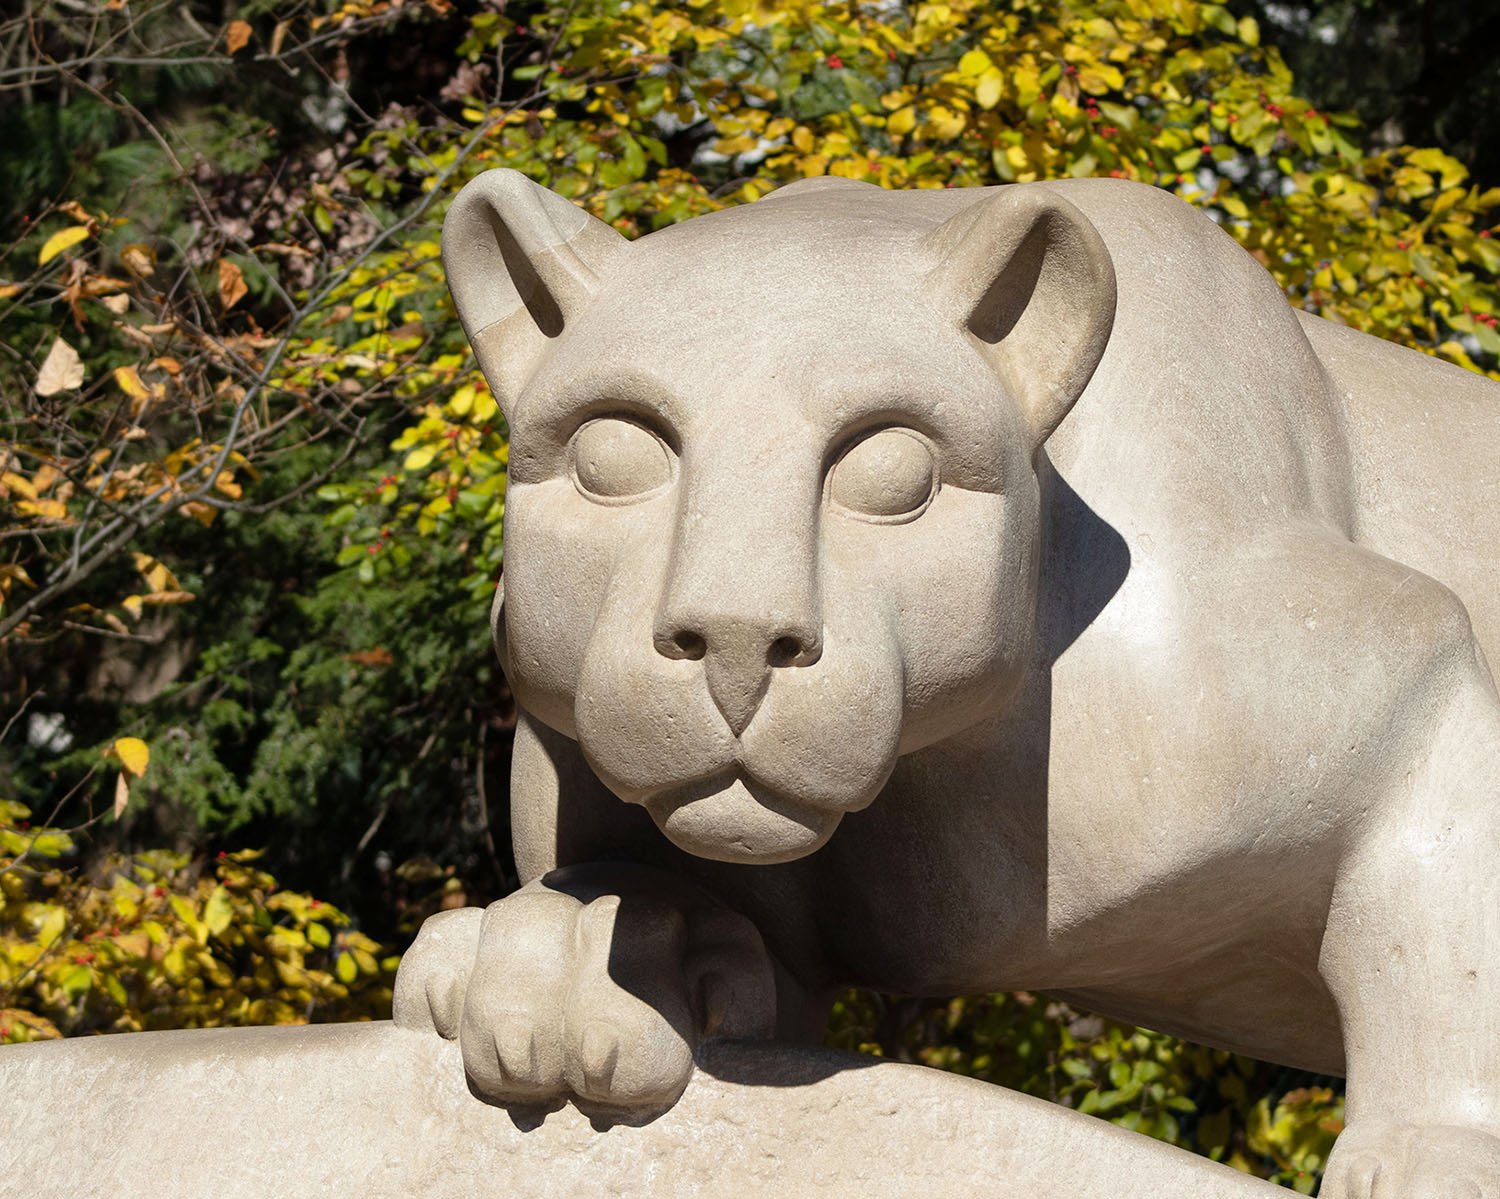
<point>1423,437</point>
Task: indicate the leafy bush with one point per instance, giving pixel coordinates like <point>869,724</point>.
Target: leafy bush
<point>159,940</point>
<point>1273,1122</point>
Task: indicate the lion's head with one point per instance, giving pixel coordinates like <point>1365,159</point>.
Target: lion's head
<point>772,510</point>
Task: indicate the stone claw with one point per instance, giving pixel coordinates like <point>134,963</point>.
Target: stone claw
<point>431,983</point>
<point>574,989</point>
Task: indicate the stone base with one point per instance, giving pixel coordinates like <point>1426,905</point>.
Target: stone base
<point>373,1110</point>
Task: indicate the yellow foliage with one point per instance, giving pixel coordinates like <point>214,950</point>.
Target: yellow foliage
<point>60,241</point>
<point>134,754</point>
<point>157,940</point>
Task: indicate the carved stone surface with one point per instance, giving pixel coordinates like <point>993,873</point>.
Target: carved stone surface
<point>372,1110</point>
<point>955,591</point>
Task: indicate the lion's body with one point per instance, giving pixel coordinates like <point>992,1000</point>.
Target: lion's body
<point>1176,708</point>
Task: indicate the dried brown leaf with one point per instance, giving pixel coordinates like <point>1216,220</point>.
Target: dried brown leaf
<point>232,288</point>
<point>62,369</point>
<point>237,36</point>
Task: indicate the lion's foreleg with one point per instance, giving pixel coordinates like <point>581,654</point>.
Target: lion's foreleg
<point>1412,955</point>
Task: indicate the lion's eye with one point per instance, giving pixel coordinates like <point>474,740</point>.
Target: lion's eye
<point>888,474</point>
<point>615,459</point>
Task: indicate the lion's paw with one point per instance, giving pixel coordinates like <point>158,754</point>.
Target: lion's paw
<point>572,988</point>
<point>434,974</point>
<point>1405,1161</point>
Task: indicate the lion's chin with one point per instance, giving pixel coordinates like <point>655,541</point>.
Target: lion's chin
<point>728,819</point>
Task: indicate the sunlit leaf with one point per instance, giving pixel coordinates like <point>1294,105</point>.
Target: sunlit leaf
<point>60,241</point>
<point>134,754</point>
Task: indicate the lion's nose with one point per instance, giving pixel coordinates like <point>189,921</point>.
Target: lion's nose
<point>739,657</point>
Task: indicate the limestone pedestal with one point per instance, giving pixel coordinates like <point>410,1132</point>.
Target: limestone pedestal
<point>373,1110</point>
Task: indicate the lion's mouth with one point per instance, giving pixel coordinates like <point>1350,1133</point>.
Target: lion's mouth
<point>729,817</point>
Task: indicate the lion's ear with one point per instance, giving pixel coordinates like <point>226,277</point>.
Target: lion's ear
<point>1029,278</point>
<point>521,263</point>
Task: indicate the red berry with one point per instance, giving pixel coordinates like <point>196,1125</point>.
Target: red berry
<point>835,62</point>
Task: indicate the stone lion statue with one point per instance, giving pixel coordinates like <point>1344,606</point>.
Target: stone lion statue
<point>956,591</point>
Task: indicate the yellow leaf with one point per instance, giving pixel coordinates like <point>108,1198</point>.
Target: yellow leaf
<point>60,241</point>
<point>1235,207</point>
<point>462,401</point>
<point>119,303</point>
<point>944,124</point>
<point>236,36</point>
<point>218,911</point>
<point>1249,31</point>
<point>987,90</point>
<point>974,64</point>
<point>133,754</point>
<point>484,408</point>
<point>14,482</point>
<point>232,287</point>
<point>45,509</point>
<point>346,969</point>
<point>52,927</point>
<point>13,572</point>
<point>802,138</point>
<point>9,289</point>
<point>62,369</point>
<point>1098,80</point>
<point>130,383</point>
<point>122,794</point>
<point>419,457</point>
<point>902,121</point>
<point>157,576</point>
